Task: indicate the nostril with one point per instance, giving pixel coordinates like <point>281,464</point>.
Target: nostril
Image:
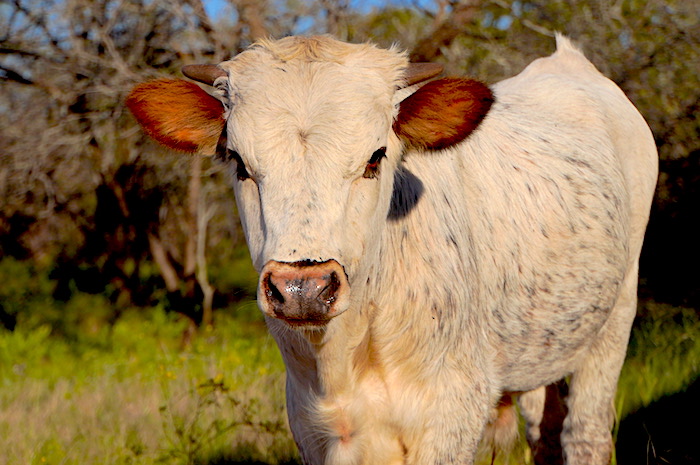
<point>271,291</point>
<point>328,293</point>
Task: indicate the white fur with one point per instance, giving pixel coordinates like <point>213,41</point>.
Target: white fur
<point>515,266</point>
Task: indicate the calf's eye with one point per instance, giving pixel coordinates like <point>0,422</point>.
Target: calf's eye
<point>372,168</point>
<point>241,171</point>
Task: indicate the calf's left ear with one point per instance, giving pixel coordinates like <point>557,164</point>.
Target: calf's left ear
<point>178,114</point>
<point>442,113</point>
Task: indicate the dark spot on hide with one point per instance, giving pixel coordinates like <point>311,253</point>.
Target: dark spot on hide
<point>497,314</point>
<point>578,162</point>
<point>408,189</point>
<point>411,295</point>
<point>448,202</point>
<point>505,285</point>
<point>574,324</point>
<point>548,336</point>
<point>530,291</point>
<point>452,241</point>
<point>435,314</point>
<point>598,309</point>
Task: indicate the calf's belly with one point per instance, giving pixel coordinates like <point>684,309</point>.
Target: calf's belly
<point>545,342</point>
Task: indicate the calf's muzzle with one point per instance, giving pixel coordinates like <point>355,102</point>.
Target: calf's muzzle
<point>303,293</point>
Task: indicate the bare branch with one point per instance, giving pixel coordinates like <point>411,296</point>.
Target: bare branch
<point>160,256</point>
<point>446,31</point>
<point>207,28</point>
<point>252,13</point>
<point>6,74</point>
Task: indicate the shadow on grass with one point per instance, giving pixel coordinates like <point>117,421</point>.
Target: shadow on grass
<point>665,432</point>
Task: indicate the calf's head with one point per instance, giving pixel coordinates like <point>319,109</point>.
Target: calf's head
<point>313,130</point>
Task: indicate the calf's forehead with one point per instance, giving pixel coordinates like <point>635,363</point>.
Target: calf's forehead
<point>325,101</point>
<point>345,96</point>
<point>310,90</point>
<point>303,57</point>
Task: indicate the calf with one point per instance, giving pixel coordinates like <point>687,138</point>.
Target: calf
<point>427,247</point>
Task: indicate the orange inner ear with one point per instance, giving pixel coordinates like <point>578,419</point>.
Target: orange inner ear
<point>442,113</point>
<point>178,114</point>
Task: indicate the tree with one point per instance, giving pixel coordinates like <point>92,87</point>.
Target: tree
<point>81,186</point>
<point>82,191</point>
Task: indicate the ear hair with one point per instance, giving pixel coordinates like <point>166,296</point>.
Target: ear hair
<point>442,113</point>
<point>178,114</point>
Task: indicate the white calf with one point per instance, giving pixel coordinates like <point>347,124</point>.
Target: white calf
<point>427,248</point>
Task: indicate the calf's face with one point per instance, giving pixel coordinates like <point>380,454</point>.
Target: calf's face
<point>313,140</point>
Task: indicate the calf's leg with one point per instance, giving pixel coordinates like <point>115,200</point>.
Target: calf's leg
<point>544,410</point>
<point>586,436</point>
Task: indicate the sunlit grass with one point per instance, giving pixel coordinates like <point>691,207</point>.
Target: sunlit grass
<point>130,394</point>
<point>663,356</point>
<point>134,396</point>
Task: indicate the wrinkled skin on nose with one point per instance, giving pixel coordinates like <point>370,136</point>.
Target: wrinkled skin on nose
<point>304,292</point>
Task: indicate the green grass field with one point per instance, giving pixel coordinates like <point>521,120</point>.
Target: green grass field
<point>130,394</point>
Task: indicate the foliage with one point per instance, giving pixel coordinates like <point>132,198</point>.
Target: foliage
<point>83,192</point>
<point>27,298</point>
<point>23,287</point>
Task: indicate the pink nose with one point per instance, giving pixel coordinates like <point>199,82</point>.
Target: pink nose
<point>303,293</point>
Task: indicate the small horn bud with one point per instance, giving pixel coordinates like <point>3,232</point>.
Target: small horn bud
<point>206,74</point>
<point>419,72</point>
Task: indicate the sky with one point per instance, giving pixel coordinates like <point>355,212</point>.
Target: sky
<point>215,7</point>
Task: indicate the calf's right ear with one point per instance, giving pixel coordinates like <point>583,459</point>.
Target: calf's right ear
<point>178,114</point>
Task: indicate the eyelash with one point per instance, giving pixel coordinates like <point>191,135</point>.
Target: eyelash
<point>372,168</point>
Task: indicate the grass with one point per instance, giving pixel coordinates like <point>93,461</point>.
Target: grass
<point>663,356</point>
<point>658,388</point>
<point>129,394</point>
<point>132,396</point>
